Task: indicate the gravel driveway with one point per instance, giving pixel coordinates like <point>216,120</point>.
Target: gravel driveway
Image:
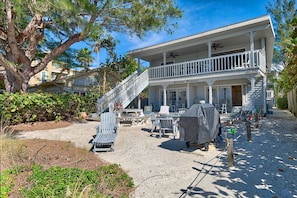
<point>164,167</point>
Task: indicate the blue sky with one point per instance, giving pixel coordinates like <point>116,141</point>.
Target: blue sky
<point>198,16</point>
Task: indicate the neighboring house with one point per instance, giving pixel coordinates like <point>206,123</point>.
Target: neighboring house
<point>49,74</point>
<point>103,78</point>
<point>81,82</point>
<point>227,65</point>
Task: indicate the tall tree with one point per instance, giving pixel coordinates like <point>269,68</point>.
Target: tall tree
<point>288,77</point>
<point>42,30</point>
<point>283,13</point>
<point>84,57</point>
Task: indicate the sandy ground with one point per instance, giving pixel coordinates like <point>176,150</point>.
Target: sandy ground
<point>164,167</point>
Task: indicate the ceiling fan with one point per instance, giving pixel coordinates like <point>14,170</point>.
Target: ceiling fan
<point>172,55</point>
<point>216,45</point>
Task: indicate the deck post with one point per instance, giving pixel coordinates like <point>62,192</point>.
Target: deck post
<point>164,94</point>
<point>252,48</point>
<point>252,80</point>
<point>210,83</point>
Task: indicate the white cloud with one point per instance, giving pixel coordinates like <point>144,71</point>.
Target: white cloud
<point>151,39</point>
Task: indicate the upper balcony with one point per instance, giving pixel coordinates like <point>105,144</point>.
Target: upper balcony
<point>247,61</point>
<point>240,50</point>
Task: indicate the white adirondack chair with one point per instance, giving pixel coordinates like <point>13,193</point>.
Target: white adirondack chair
<point>164,110</point>
<point>106,133</point>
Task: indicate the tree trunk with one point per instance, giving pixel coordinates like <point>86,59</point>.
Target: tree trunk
<point>104,82</point>
<point>13,84</point>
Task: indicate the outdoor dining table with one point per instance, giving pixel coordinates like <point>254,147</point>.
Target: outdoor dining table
<point>135,116</point>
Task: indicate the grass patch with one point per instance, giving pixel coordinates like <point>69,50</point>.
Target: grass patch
<point>106,181</point>
<point>45,168</point>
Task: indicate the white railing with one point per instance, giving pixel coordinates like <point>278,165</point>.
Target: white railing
<point>238,61</point>
<point>125,92</point>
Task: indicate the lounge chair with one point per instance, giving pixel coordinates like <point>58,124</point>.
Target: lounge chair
<point>106,133</point>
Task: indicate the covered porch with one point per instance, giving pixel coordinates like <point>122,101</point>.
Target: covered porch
<point>231,92</point>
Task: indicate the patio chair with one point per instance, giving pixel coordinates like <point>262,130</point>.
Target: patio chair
<point>155,122</point>
<point>164,110</point>
<point>224,108</point>
<point>106,133</point>
<point>167,124</point>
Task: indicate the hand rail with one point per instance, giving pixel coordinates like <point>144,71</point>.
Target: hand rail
<point>125,92</point>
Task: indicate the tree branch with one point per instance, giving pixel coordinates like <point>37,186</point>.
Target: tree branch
<point>12,43</point>
<point>10,67</point>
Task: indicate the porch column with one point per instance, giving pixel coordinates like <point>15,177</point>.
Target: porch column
<point>164,94</point>
<point>209,48</point>
<point>210,83</point>
<point>139,102</point>
<point>188,95</point>
<point>263,47</point>
<point>252,48</point>
<point>264,93</point>
<point>252,80</point>
<point>209,55</point>
<point>164,58</point>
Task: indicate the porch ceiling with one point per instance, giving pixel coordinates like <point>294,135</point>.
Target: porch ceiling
<point>222,76</point>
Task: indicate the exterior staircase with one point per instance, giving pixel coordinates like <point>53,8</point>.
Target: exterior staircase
<point>125,92</point>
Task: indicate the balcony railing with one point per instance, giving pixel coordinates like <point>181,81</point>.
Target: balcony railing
<point>230,62</point>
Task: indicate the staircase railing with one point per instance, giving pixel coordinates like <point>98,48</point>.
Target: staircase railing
<point>125,92</point>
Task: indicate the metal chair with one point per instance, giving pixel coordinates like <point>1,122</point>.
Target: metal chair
<point>224,108</point>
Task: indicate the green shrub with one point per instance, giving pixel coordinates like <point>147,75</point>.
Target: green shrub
<point>282,103</point>
<point>106,181</point>
<point>31,107</point>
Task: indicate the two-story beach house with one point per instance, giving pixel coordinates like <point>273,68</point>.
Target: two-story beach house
<point>227,65</point>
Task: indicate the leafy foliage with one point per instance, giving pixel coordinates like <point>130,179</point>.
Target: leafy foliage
<point>284,15</point>
<point>282,103</point>
<point>71,182</point>
<point>42,30</point>
<point>84,57</point>
<point>125,66</point>
<point>24,108</point>
<point>283,12</point>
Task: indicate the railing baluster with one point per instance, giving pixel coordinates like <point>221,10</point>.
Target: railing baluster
<point>207,65</point>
